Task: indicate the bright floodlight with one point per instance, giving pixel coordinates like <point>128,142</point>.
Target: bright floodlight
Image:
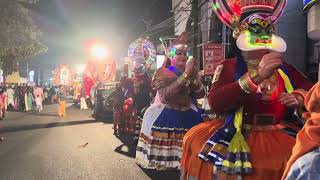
<point>99,51</point>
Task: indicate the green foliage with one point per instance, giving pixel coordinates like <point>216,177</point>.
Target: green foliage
<point>19,37</point>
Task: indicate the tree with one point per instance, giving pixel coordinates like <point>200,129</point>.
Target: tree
<point>19,36</point>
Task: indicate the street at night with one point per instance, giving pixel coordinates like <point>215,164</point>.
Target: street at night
<point>44,146</point>
<point>159,90</point>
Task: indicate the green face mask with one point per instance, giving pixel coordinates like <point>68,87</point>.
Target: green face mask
<point>260,33</point>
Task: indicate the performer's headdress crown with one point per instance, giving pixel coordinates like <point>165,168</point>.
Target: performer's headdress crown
<point>252,22</point>
<point>142,51</point>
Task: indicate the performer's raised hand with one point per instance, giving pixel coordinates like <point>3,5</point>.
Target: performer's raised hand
<point>268,64</point>
<point>195,74</point>
<point>289,100</point>
<point>190,66</point>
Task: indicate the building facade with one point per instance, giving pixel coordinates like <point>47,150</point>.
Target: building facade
<point>312,11</point>
<point>293,26</point>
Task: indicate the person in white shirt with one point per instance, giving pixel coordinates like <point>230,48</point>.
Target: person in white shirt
<point>10,98</point>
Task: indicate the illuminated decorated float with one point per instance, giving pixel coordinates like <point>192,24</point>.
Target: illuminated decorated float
<point>99,78</point>
<point>100,69</point>
<point>63,75</point>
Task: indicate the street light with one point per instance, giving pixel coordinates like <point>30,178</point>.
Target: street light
<point>99,51</point>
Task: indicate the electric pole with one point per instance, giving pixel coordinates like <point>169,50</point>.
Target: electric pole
<point>195,17</point>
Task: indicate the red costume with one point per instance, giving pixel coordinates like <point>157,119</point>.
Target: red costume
<point>137,89</point>
<point>127,117</point>
<point>3,105</point>
<point>89,78</point>
<point>225,95</point>
<point>226,86</point>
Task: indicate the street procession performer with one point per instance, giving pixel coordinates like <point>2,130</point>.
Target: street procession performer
<point>253,96</point>
<point>142,53</point>
<point>136,92</point>
<point>142,91</point>
<point>173,112</point>
<point>117,98</point>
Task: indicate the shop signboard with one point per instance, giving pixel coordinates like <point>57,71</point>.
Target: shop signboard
<point>212,56</point>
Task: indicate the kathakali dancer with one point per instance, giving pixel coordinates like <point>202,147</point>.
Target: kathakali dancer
<point>128,120</point>
<point>142,90</point>
<point>254,96</point>
<point>138,95</point>
<point>129,113</point>
<point>142,53</point>
<point>173,112</point>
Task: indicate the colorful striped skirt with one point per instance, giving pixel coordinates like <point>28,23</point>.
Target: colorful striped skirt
<point>160,141</point>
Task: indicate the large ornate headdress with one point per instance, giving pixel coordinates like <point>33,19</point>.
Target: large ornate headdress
<point>141,52</point>
<point>252,22</point>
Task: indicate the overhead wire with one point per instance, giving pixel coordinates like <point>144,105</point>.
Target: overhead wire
<point>188,2</point>
<point>150,33</point>
<point>177,5</point>
<point>160,28</point>
<point>142,17</point>
<point>167,23</point>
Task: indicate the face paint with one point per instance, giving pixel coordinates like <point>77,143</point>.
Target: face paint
<point>139,69</point>
<point>259,33</point>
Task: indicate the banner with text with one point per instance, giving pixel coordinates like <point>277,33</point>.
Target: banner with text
<point>212,56</point>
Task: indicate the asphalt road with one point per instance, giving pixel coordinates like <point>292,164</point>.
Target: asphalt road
<point>42,146</point>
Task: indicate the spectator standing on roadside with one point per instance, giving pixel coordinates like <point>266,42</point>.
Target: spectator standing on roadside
<point>62,102</point>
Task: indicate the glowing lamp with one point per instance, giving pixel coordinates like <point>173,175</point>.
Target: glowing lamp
<point>99,51</point>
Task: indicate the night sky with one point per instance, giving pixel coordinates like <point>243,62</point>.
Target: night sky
<point>68,24</point>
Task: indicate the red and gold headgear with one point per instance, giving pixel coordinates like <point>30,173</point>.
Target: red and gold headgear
<point>252,22</point>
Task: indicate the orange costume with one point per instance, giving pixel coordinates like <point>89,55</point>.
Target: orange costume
<point>309,137</point>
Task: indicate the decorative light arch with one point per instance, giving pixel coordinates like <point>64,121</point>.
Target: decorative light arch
<point>142,47</point>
